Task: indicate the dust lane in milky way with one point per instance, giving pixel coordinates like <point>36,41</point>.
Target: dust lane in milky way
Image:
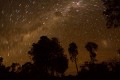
<point>24,21</point>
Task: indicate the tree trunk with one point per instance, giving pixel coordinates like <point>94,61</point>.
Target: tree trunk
<point>76,66</point>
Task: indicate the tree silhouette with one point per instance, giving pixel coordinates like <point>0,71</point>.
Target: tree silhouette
<point>1,60</point>
<point>2,67</point>
<point>91,47</point>
<point>60,64</point>
<point>3,70</point>
<point>112,12</point>
<point>46,53</point>
<point>73,52</point>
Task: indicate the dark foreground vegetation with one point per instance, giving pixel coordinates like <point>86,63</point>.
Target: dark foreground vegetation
<point>50,63</point>
<point>101,71</point>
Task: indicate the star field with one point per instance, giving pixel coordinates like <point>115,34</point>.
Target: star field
<point>22,22</point>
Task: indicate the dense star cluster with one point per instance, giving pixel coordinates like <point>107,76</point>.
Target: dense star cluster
<point>22,22</point>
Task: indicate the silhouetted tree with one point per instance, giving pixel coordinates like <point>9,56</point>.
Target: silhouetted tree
<point>1,60</point>
<point>112,12</point>
<point>91,47</point>
<point>60,64</point>
<point>2,69</point>
<point>73,52</point>
<point>45,55</point>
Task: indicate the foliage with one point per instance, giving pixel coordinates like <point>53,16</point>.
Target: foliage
<point>92,47</point>
<point>49,60</point>
<point>47,54</point>
<point>73,52</point>
<point>112,12</point>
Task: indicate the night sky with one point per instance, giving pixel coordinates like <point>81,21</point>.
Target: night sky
<point>22,22</point>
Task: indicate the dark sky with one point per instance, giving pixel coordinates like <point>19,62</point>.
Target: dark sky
<point>22,22</point>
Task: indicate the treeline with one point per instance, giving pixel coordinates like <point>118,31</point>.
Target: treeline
<point>50,63</point>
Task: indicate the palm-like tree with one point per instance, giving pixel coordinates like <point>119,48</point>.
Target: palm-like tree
<point>73,52</point>
<point>92,47</point>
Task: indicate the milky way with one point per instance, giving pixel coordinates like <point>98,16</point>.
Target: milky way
<point>22,22</point>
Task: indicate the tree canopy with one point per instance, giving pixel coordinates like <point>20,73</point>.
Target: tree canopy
<point>112,12</point>
<point>48,54</point>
